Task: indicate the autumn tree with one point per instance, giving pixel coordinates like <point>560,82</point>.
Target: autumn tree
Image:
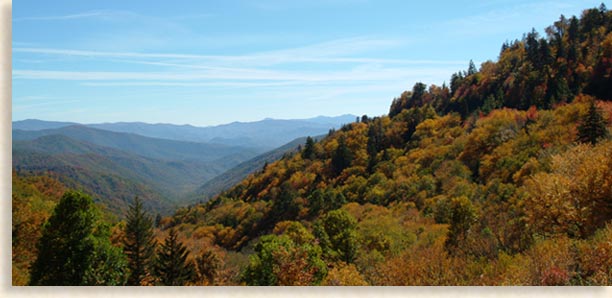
<point>75,250</point>
<point>172,267</point>
<point>207,267</point>
<point>575,198</point>
<point>139,243</point>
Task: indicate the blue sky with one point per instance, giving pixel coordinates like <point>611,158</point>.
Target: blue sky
<point>213,62</point>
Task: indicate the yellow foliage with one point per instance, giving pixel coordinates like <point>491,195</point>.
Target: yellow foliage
<point>344,275</point>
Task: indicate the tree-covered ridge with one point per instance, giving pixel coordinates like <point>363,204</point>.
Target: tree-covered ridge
<point>488,179</point>
<point>574,57</point>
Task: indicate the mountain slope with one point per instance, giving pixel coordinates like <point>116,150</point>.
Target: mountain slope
<point>106,188</point>
<point>242,170</point>
<point>114,175</point>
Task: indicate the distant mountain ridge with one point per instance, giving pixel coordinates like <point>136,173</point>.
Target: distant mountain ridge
<point>264,135</point>
<point>162,149</point>
<point>115,166</point>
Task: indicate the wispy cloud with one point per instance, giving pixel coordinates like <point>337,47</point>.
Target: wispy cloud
<point>275,68</point>
<point>337,51</point>
<point>75,16</point>
<point>375,74</point>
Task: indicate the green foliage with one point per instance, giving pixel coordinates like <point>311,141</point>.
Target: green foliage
<point>172,267</point>
<point>75,248</point>
<point>280,261</point>
<point>337,234</point>
<point>139,243</point>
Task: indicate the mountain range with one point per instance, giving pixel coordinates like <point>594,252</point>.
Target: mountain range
<point>266,134</point>
<point>166,165</point>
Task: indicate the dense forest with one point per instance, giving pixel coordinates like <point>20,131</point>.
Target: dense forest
<point>501,177</point>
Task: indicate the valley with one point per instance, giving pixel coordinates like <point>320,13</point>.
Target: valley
<point>166,173</point>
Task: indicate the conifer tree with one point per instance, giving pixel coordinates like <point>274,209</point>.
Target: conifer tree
<point>171,265</point>
<point>471,68</point>
<point>593,126</point>
<point>308,152</point>
<point>139,243</point>
<point>75,249</point>
<point>342,157</point>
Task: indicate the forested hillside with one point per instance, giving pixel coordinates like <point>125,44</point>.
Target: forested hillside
<point>502,177</point>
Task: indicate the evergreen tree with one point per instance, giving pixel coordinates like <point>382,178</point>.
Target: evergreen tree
<point>75,249</point>
<point>139,243</point>
<point>171,266</point>
<point>308,152</point>
<point>471,68</point>
<point>283,207</point>
<point>593,126</point>
<point>342,157</point>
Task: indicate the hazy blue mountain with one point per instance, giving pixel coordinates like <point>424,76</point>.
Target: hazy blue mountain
<point>236,174</point>
<point>144,146</point>
<point>267,133</point>
<point>34,124</point>
<point>261,135</point>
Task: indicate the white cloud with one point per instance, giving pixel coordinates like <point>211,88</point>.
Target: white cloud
<point>83,15</point>
<point>337,51</point>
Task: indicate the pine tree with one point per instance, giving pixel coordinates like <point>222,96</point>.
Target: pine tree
<point>342,157</point>
<point>471,68</point>
<point>308,152</point>
<point>593,126</point>
<point>75,249</point>
<point>171,265</point>
<point>139,243</point>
